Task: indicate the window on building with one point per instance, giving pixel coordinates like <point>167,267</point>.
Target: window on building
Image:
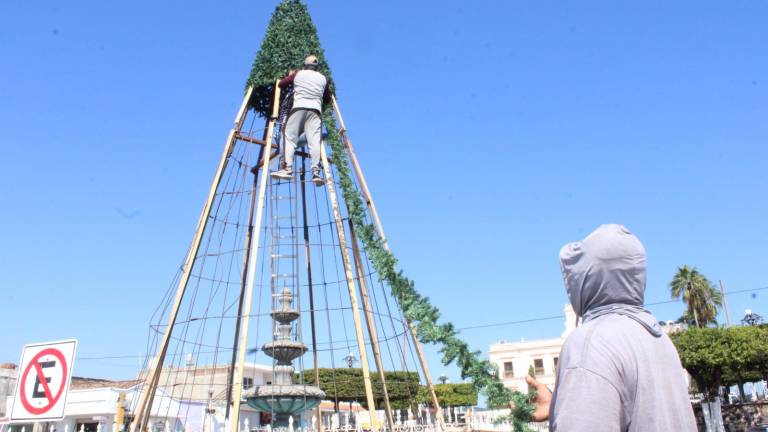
<point>247,383</point>
<point>555,364</point>
<point>538,367</point>
<point>509,370</point>
<point>91,426</point>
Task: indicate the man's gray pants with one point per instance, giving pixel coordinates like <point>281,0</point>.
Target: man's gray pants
<point>308,122</point>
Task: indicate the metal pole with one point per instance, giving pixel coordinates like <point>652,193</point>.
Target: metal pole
<point>143,408</point>
<point>725,305</point>
<point>237,386</point>
<point>311,288</point>
<point>380,229</point>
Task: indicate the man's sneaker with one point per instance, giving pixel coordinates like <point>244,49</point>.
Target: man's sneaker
<point>317,180</point>
<point>285,174</point>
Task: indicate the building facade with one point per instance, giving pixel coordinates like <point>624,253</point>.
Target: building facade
<point>7,385</point>
<point>514,359</point>
<point>208,383</point>
<point>96,405</point>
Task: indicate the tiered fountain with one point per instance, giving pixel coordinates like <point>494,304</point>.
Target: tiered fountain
<point>282,397</point>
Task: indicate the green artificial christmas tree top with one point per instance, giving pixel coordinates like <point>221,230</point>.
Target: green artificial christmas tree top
<point>291,37</point>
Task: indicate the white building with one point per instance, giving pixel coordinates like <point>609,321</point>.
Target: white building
<point>92,405</point>
<point>7,384</point>
<point>190,399</point>
<point>208,383</point>
<point>515,358</point>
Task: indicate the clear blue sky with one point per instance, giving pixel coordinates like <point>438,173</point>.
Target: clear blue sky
<point>491,133</point>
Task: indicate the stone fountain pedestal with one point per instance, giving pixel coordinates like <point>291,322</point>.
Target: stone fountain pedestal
<point>283,398</point>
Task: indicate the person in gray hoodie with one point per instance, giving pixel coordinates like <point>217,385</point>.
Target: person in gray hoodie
<point>617,371</point>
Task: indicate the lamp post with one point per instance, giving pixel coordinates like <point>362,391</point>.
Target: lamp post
<point>751,318</point>
<point>351,360</point>
<point>210,411</point>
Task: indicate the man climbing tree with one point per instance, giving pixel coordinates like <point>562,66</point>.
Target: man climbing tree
<point>310,91</point>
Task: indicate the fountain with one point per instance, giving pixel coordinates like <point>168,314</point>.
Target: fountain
<point>283,398</point>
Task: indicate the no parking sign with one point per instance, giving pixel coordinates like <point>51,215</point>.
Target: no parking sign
<point>45,372</point>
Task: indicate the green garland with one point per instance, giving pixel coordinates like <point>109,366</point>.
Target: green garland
<point>290,37</point>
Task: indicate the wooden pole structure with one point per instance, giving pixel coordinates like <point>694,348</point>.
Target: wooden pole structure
<point>359,173</point>
<point>370,323</point>
<point>143,408</point>
<point>380,229</point>
<point>351,286</point>
<point>237,386</point>
<point>243,284</point>
<point>725,305</point>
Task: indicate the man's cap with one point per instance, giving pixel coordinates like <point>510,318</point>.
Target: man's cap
<point>311,61</point>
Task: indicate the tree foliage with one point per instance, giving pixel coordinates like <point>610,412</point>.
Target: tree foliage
<point>346,384</point>
<point>291,36</point>
<point>719,356</point>
<point>700,296</point>
<point>462,394</point>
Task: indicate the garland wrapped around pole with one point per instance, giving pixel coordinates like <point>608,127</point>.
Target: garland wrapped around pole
<point>290,37</point>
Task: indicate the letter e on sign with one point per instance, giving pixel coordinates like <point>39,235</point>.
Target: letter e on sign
<point>45,371</point>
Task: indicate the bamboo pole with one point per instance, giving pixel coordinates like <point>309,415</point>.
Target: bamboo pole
<point>243,284</point>
<point>351,286</point>
<point>380,229</point>
<point>370,323</point>
<point>237,387</point>
<point>143,408</point>
<point>359,174</point>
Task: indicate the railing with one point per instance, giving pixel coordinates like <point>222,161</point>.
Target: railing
<point>473,426</point>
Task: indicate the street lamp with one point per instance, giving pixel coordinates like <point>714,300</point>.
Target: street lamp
<point>350,359</point>
<point>751,318</point>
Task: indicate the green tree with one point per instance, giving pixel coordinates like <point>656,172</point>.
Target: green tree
<point>462,394</point>
<point>700,296</point>
<point>703,353</point>
<point>346,384</point>
<point>746,356</point>
<point>717,357</point>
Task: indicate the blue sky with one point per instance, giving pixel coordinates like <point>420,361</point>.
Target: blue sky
<point>491,133</point>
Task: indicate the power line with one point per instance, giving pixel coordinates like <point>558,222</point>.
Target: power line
<point>471,327</point>
<point>506,323</point>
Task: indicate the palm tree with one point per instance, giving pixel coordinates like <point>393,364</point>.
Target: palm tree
<point>699,295</point>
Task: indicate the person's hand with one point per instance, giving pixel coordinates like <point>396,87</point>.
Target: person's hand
<point>291,72</point>
<point>542,401</point>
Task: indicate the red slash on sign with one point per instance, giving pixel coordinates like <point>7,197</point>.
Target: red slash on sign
<point>59,368</point>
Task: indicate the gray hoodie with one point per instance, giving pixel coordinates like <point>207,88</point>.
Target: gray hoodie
<point>617,371</point>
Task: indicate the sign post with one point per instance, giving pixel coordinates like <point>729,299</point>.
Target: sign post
<point>45,371</point>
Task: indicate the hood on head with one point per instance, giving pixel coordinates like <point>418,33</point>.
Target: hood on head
<point>606,268</point>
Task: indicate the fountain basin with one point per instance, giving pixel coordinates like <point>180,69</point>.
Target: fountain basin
<point>284,351</point>
<point>284,399</point>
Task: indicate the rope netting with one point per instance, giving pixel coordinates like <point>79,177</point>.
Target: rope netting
<point>298,250</point>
